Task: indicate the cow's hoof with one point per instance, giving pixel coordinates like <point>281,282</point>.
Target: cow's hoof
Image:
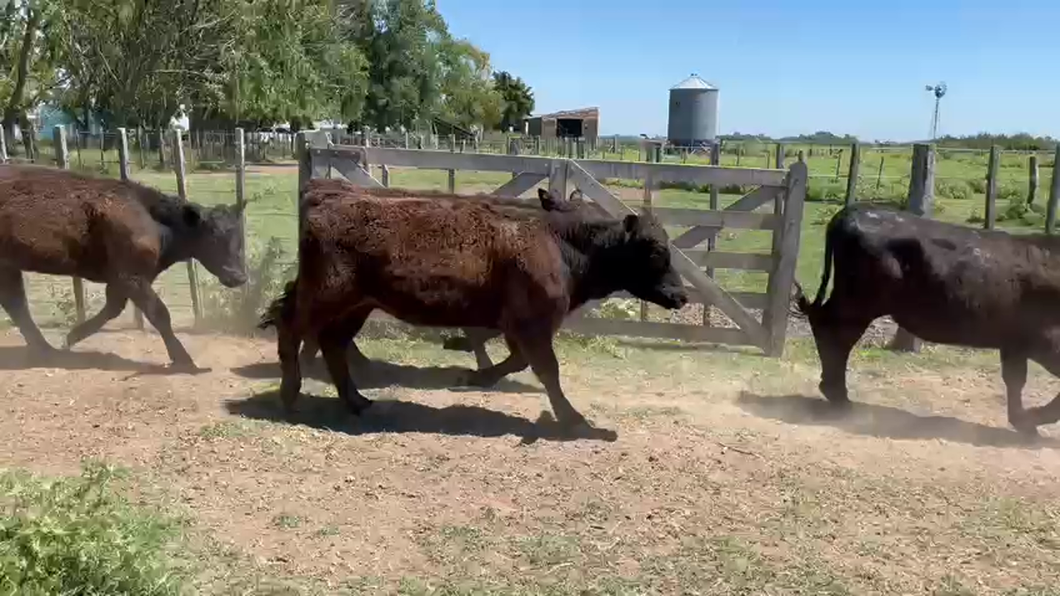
<point>1025,426</point>
<point>358,405</point>
<point>41,354</point>
<point>475,378</point>
<point>834,394</point>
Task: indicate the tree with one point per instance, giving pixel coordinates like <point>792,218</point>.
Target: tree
<point>29,51</point>
<point>468,93</point>
<point>517,98</point>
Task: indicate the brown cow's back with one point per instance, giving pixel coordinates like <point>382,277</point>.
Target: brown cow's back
<point>61,224</point>
<point>432,262</point>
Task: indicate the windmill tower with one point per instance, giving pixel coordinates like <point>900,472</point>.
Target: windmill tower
<point>939,90</point>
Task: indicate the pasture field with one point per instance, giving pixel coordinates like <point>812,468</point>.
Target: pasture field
<point>729,475</point>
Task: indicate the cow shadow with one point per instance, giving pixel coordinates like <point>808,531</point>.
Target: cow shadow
<point>378,373</point>
<point>886,422</point>
<point>397,416</point>
<point>22,358</point>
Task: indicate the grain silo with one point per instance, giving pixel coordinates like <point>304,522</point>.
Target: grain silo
<point>693,113</point>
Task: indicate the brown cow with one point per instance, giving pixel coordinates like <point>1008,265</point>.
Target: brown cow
<point>119,233</point>
<point>474,340</point>
<point>457,264</point>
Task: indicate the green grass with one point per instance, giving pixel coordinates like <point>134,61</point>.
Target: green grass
<point>80,536</point>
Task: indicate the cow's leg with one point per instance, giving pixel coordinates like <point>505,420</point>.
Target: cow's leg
<point>1014,374</point>
<point>474,340</point>
<point>334,341</point>
<point>1048,355</point>
<point>144,296</point>
<point>116,299</point>
<point>13,299</point>
<point>489,376</point>
<point>535,344</point>
<point>835,337</point>
<point>311,346</point>
<point>287,342</point>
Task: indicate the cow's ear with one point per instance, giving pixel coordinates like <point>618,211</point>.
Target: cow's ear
<point>631,223</point>
<point>191,215</point>
<point>547,202</point>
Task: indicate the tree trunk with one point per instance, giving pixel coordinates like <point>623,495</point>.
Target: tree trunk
<point>14,109</point>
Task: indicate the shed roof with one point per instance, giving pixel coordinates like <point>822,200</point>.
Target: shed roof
<point>693,82</point>
<point>592,112</point>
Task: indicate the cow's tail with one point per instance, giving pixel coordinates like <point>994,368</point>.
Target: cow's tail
<point>805,308</point>
<point>282,309</point>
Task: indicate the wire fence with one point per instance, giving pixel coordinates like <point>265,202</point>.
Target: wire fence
<point>212,165</point>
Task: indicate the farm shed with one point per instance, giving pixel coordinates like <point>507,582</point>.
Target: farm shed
<point>584,122</point>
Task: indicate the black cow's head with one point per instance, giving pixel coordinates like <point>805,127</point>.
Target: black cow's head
<point>644,266</point>
<point>551,202</point>
<point>218,241</point>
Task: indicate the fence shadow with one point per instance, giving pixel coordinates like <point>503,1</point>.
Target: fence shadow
<point>396,416</point>
<point>380,373</point>
<point>885,422</point>
<point>22,358</point>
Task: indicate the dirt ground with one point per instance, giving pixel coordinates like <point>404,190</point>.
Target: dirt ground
<point>728,474</point>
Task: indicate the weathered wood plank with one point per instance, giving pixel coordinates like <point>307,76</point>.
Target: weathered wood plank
<point>750,300</point>
<point>717,219</point>
<point>182,192</point>
<point>356,174</point>
<point>442,160</point>
<point>689,270</point>
<point>557,178</point>
<point>1054,195</point>
<point>666,172</point>
<point>852,174</point>
<point>990,209</point>
<point>518,185</point>
<point>783,277</point>
<point>651,329</point>
<point>731,260</point>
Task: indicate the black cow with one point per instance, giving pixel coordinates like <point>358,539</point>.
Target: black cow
<point>944,283</point>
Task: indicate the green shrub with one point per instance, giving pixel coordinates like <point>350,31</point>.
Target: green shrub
<point>78,536</point>
<point>953,189</point>
<point>818,191</point>
<point>978,185</point>
<point>237,310</point>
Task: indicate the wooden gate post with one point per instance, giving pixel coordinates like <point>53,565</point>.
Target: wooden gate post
<point>786,239</point>
<point>123,173</point>
<point>852,174</point>
<point>1054,194</point>
<point>305,172</point>
<point>1032,191</point>
<point>182,191</point>
<point>62,159</point>
<point>3,146</point>
<point>241,187</point>
<point>990,209</point>
<point>921,198</point>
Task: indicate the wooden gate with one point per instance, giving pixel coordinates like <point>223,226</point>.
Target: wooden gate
<point>781,192</point>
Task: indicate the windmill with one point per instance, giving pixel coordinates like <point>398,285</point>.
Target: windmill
<point>939,90</point>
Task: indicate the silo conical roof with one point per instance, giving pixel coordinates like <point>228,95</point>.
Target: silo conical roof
<point>693,82</point>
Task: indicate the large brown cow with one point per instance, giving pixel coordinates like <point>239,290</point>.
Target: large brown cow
<point>473,340</point>
<point>119,233</point>
<point>945,283</point>
<point>457,264</point>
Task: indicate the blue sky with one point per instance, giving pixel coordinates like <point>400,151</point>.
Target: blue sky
<point>783,67</point>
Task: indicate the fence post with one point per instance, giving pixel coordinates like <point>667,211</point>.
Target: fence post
<point>3,146</point>
<point>921,197</point>
<point>648,196</point>
<point>62,159</point>
<point>780,156</point>
<point>852,174</point>
<point>786,252</point>
<point>990,215</point>
<point>452,173</point>
<point>123,172</point>
<point>305,172</point>
<point>182,192</point>
<point>1054,194</point>
<point>161,148</point>
<point>241,187</point>
<point>879,175</point>
<point>1032,192</point>
<point>715,160</point>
